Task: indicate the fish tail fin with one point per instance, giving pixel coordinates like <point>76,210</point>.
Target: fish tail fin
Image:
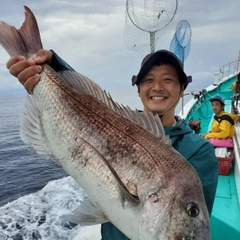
<point>24,41</point>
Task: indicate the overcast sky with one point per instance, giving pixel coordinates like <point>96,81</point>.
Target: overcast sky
<point>91,36</point>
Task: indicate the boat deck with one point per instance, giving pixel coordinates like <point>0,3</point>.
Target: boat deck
<point>225,220</point>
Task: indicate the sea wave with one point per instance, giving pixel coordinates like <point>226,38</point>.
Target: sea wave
<point>40,215</point>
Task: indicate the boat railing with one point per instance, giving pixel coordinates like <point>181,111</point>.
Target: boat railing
<point>226,72</point>
<point>230,69</point>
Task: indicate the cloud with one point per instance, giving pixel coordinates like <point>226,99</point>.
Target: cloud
<point>89,35</point>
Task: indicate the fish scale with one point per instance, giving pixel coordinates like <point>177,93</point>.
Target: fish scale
<point>120,141</point>
<point>121,158</point>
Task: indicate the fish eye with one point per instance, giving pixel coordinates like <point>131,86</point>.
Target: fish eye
<point>192,209</point>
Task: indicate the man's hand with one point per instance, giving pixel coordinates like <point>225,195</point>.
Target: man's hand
<point>28,70</point>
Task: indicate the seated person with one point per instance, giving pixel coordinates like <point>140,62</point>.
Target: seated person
<point>236,85</point>
<point>223,122</point>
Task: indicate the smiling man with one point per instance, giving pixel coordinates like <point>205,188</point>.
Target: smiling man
<point>161,82</point>
<point>152,93</point>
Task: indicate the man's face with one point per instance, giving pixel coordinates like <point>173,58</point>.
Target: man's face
<point>217,107</point>
<point>160,90</point>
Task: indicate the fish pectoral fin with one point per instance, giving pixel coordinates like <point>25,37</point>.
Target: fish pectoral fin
<point>128,191</point>
<point>86,214</point>
<point>129,194</point>
<point>129,200</point>
<point>31,128</point>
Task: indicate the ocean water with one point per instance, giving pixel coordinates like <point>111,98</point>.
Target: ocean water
<point>35,193</point>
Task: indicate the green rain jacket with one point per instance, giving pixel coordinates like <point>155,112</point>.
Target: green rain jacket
<point>199,152</point>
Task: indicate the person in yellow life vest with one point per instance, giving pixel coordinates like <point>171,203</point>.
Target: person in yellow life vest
<point>234,87</point>
<point>223,122</point>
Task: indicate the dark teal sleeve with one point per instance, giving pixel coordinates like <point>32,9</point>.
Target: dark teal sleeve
<point>201,155</point>
<point>206,165</point>
<point>58,64</point>
<point>110,232</point>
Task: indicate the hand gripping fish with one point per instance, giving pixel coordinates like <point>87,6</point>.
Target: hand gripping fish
<point>120,157</point>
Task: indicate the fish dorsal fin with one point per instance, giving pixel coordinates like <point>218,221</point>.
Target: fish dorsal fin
<point>80,83</point>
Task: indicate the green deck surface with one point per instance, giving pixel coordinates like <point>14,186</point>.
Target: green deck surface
<point>225,220</point>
